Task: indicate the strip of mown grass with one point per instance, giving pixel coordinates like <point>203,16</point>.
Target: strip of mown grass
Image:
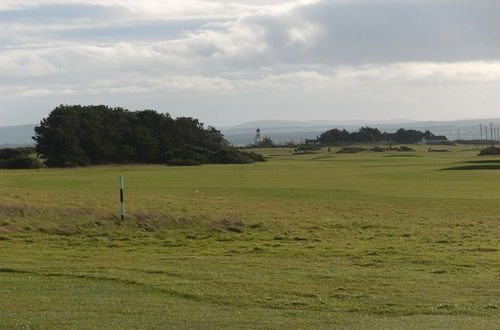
<point>348,241</point>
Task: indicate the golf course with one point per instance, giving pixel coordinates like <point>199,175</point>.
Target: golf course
<point>320,240</point>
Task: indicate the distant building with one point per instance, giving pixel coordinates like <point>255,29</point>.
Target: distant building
<point>258,138</point>
<point>313,141</point>
<point>441,139</point>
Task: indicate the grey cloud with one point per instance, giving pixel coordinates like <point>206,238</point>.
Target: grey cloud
<point>388,31</point>
<point>362,32</point>
<point>139,30</point>
<point>48,13</point>
<point>368,32</point>
<point>320,56</point>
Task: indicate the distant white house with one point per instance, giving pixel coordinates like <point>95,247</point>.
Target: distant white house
<point>441,139</point>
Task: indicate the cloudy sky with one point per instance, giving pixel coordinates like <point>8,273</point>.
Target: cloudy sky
<point>231,61</point>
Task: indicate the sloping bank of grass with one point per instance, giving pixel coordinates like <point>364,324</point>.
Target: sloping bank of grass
<point>292,243</point>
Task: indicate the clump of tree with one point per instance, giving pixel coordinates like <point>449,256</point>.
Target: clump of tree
<point>372,135</point>
<point>18,158</point>
<point>75,135</point>
<point>266,142</point>
<point>353,150</point>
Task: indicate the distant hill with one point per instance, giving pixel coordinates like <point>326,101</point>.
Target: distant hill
<point>313,123</point>
<point>17,136</point>
<point>283,131</point>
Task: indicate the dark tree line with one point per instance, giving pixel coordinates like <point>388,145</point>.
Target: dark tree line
<point>75,135</point>
<point>369,134</point>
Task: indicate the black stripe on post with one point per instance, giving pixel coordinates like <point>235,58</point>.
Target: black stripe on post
<point>122,202</point>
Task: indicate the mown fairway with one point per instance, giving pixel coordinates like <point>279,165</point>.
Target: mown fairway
<point>369,240</point>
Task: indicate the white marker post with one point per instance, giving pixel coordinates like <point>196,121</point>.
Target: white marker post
<point>122,203</point>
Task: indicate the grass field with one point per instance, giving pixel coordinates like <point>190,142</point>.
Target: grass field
<point>370,240</point>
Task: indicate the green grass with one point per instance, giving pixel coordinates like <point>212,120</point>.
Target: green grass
<point>321,240</point>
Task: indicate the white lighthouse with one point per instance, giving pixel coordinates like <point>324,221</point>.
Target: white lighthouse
<point>258,138</point>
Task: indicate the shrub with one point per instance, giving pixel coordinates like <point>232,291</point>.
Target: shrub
<point>21,163</point>
<point>231,156</point>
<point>491,151</point>
<point>193,155</point>
<point>405,149</point>
<point>306,148</point>
<point>10,153</point>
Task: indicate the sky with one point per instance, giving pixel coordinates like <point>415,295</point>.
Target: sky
<point>231,61</point>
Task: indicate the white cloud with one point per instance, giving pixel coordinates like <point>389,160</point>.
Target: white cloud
<point>25,65</point>
<point>149,48</point>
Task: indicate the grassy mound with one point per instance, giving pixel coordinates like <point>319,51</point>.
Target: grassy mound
<point>351,150</point>
<point>474,167</point>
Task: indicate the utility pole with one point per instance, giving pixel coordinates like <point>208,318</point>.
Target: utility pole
<point>491,134</point>
<point>481,133</point>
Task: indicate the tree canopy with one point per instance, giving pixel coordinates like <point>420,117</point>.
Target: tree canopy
<point>369,135</point>
<point>75,135</point>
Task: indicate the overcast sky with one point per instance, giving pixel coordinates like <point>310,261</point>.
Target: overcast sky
<point>231,61</point>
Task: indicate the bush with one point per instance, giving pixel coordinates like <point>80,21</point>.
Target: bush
<point>10,153</point>
<point>491,151</point>
<point>306,148</point>
<point>193,155</point>
<point>21,163</point>
<point>405,149</point>
<point>231,156</point>
<point>378,149</point>
<point>255,156</point>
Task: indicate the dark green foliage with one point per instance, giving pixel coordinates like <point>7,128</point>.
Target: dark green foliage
<point>91,135</point>
<point>21,163</point>
<point>491,151</point>
<point>265,143</point>
<point>306,148</point>
<point>192,155</point>
<point>9,153</point>
<point>408,136</point>
<point>18,158</point>
<point>368,135</point>
<point>378,149</point>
